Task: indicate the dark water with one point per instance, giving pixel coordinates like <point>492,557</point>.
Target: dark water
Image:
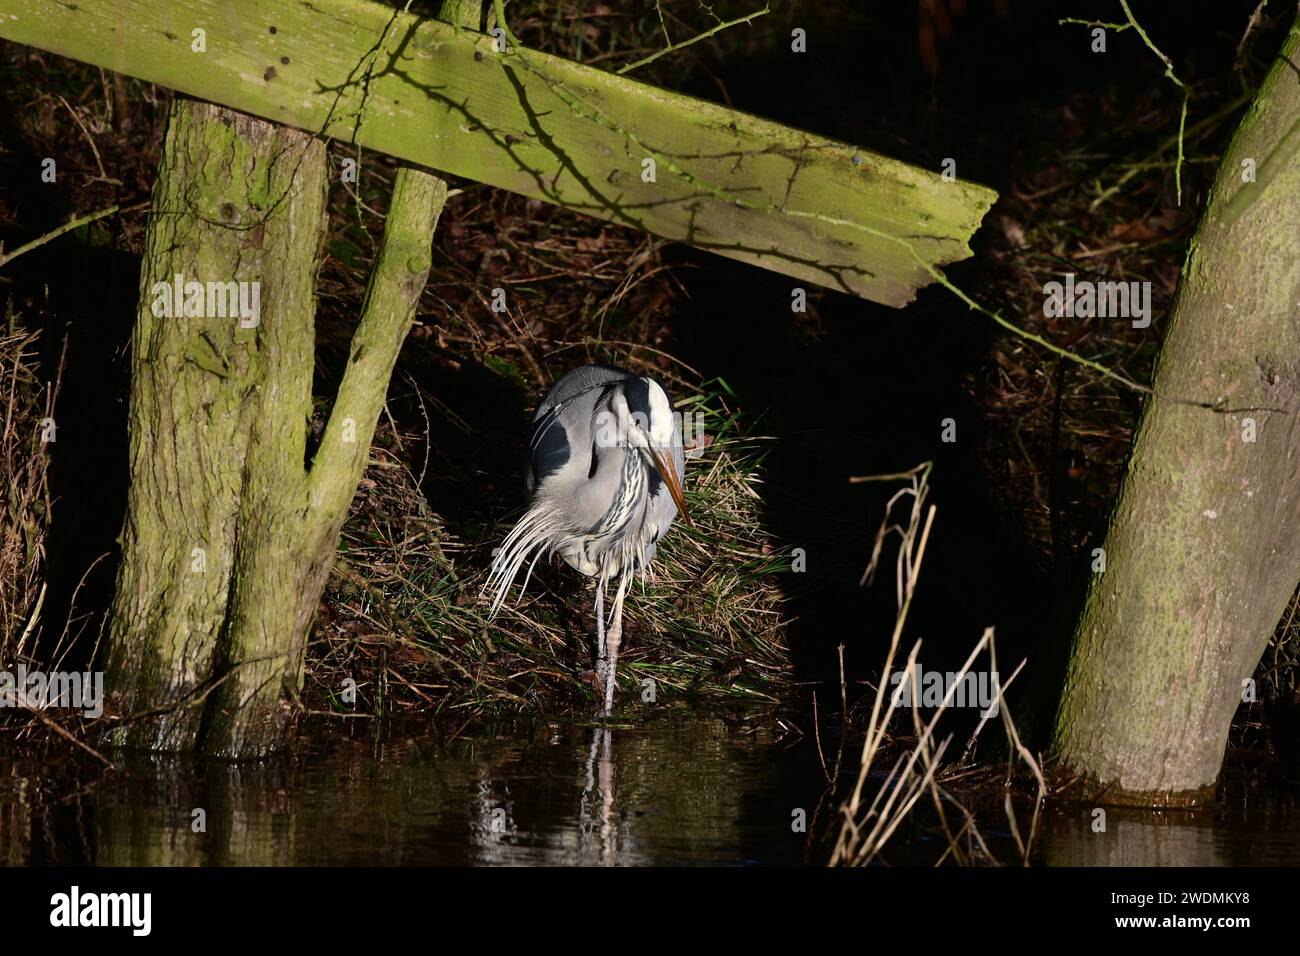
<point>703,791</point>
<point>689,791</point>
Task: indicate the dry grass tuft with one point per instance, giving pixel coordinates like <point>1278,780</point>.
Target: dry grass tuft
<point>919,769</point>
<point>24,466</point>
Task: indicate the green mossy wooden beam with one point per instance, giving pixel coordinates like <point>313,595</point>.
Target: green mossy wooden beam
<point>444,97</point>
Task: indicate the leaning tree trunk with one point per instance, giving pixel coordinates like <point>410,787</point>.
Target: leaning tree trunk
<point>229,535</point>
<point>1203,549</point>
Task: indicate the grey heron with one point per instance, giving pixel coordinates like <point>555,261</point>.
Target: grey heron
<point>605,468</point>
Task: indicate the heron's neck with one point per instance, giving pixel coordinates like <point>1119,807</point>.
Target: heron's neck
<point>627,499</point>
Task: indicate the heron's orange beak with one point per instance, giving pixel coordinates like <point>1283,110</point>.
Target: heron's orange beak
<point>669,474</point>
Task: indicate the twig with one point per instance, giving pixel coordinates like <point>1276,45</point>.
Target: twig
<point>674,47</point>
<point>103,176</point>
<point>58,729</point>
<point>9,257</point>
<point>1251,24</point>
<point>1169,72</point>
<point>1151,160</point>
<point>844,716</point>
<point>817,731</point>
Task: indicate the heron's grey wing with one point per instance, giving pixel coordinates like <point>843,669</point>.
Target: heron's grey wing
<point>549,450</point>
<point>561,430</point>
<point>560,439</point>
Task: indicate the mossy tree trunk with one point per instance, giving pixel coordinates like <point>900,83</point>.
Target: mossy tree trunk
<point>236,199</point>
<point>1203,549</point>
<point>229,534</point>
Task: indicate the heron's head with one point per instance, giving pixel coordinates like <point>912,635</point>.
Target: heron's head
<point>643,422</point>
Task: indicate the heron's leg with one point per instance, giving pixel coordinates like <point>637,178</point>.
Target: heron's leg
<point>612,639</point>
<point>601,666</point>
